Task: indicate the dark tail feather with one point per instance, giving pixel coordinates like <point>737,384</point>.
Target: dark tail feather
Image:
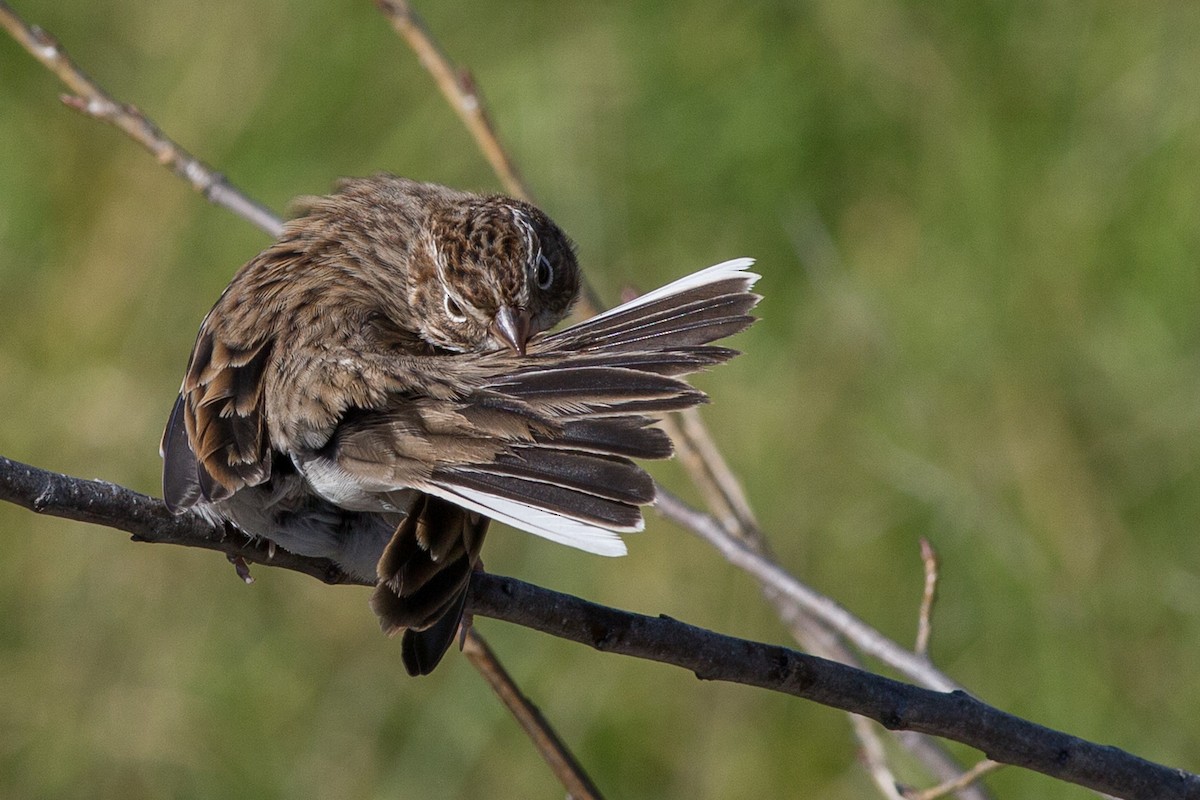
<point>421,651</point>
<point>423,579</point>
<point>564,390</point>
<point>689,324</point>
<point>631,437</point>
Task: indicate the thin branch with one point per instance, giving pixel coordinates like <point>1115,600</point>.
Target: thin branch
<point>560,760</point>
<point>874,758</point>
<point>929,559</point>
<point>87,97</point>
<point>710,467</point>
<point>710,656</point>
<point>941,764</point>
<point>966,779</point>
<point>460,91</point>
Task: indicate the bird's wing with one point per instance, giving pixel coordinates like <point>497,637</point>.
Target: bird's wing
<point>545,443</point>
<point>215,441</point>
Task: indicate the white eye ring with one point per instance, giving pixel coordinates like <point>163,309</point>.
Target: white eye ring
<point>543,264</point>
<point>453,309</point>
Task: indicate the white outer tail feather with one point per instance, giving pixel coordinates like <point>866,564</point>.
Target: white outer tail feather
<point>726,269</point>
<point>538,521</point>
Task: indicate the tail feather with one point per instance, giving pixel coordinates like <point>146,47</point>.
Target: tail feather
<point>571,391</point>
<point>698,322</point>
<point>674,362</point>
<point>424,574</point>
<point>578,504</point>
<point>629,436</point>
<point>421,651</point>
<point>694,291</point>
<point>611,477</point>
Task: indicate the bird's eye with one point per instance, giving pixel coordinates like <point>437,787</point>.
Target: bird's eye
<point>545,273</point>
<point>453,309</point>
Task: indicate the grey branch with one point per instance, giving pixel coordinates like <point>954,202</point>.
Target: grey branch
<point>710,656</point>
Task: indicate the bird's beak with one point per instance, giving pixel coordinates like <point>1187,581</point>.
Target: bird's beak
<point>512,326</point>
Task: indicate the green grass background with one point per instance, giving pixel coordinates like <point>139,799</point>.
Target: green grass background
<point>978,229</point>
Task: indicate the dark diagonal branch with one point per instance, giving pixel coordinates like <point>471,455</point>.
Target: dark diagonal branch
<point>710,656</point>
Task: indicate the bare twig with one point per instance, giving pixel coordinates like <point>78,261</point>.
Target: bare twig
<point>87,97</point>
<point>564,766</point>
<point>460,91</point>
<point>728,487</point>
<point>966,779</point>
<point>710,656</point>
<point>929,558</point>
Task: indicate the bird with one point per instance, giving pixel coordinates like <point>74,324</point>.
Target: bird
<point>382,381</point>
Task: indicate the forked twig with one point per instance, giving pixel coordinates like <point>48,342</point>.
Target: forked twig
<point>770,574</point>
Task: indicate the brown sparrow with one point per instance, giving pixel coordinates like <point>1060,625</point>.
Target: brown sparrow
<point>375,386</point>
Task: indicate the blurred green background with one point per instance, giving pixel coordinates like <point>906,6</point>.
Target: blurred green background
<point>978,229</point>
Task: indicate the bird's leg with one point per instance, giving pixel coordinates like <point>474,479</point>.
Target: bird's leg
<point>241,567</point>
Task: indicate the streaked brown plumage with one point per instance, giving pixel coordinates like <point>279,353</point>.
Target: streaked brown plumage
<point>372,388</point>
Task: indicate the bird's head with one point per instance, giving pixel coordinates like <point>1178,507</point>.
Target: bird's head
<point>502,272</point>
